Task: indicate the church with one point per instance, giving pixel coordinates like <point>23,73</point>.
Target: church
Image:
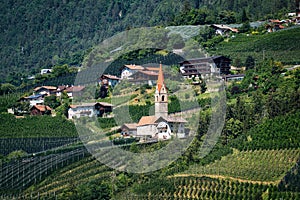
<point>160,126</point>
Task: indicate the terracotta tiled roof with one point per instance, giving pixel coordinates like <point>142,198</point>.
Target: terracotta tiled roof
<point>152,68</point>
<point>150,73</point>
<point>61,88</point>
<point>108,76</point>
<point>135,67</point>
<point>172,119</point>
<point>131,126</point>
<point>275,21</point>
<point>41,108</point>
<point>147,120</point>
<point>160,79</point>
<point>73,106</point>
<point>105,104</point>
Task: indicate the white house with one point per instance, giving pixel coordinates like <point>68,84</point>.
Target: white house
<point>46,71</point>
<point>36,99</point>
<point>45,90</point>
<point>110,80</point>
<point>89,110</point>
<point>223,29</point>
<point>128,70</point>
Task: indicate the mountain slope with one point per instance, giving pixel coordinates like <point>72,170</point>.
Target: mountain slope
<point>40,34</point>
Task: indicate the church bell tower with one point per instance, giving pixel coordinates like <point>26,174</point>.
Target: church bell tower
<point>161,96</point>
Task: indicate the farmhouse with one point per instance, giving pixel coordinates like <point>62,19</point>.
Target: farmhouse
<point>40,110</point>
<point>33,99</point>
<point>223,29</point>
<point>128,70</point>
<point>74,90</point>
<point>45,90</point>
<point>107,79</point>
<point>128,129</point>
<point>89,110</point>
<point>205,66</point>
<point>144,77</point>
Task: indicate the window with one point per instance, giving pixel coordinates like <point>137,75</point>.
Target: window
<point>163,98</point>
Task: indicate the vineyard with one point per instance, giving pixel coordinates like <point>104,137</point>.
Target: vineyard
<point>278,133</point>
<point>35,126</point>
<point>180,188</point>
<point>33,145</point>
<point>186,32</point>
<point>73,175</point>
<point>272,45</point>
<point>268,166</point>
<point>22,173</point>
<point>8,100</point>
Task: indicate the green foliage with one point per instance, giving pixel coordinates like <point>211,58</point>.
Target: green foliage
<point>60,70</point>
<point>194,17</point>
<point>227,17</point>
<point>211,43</point>
<point>131,113</point>
<point>262,46</point>
<point>7,88</point>
<point>249,63</point>
<point>8,101</point>
<point>16,154</point>
<point>259,165</point>
<point>199,187</point>
<point>175,41</point>
<point>91,190</point>
<point>62,110</point>
<point>205,34</point>
<point>52,101</point>
<point>245,28</point>
<point>46,34</point>
<point>33,145</point>
<point>106,122</point>
<point>278,133</point>
<point>41,126</point>
<point>121,141</point>
<point>291,181</point>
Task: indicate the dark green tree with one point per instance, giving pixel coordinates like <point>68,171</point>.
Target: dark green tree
<point>244,16</point>
<point>52,101</point>
<point>245,27</point>
<point>250,62</point>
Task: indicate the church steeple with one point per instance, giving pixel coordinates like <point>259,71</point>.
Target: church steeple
<point>160,79</point>
<point>161,96</point>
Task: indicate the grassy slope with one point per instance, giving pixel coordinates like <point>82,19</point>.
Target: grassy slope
<point>282,46</point>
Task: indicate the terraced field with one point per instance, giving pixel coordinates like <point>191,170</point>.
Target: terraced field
<point>261,166</point>
<point>180,188</point>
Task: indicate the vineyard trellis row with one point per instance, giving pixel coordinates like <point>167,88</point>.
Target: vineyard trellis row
<point>17,175</point>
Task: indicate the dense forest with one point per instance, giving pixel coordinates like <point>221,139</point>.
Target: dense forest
<point>35,34</point>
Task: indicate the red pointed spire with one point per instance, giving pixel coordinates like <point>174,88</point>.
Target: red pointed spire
<point>160,79</point>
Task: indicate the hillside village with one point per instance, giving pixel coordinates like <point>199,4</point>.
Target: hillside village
<point>52,134</point>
